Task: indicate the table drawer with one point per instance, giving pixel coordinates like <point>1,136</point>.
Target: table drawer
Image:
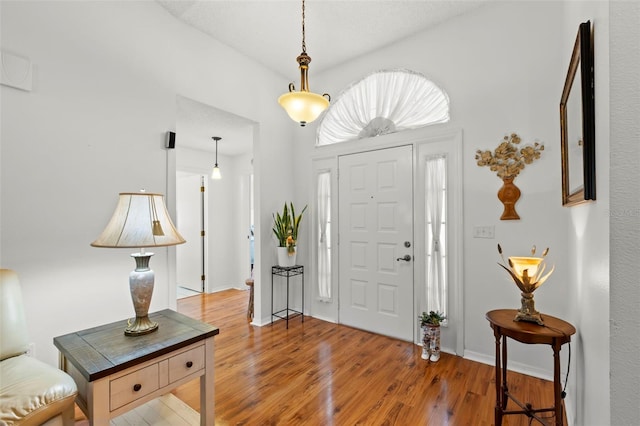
<point>186,363</point>
<point>135,385</point>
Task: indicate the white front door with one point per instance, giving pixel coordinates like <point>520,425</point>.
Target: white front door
<point>376,241</point>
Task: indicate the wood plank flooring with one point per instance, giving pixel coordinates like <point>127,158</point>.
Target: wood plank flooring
<point>319,373</point>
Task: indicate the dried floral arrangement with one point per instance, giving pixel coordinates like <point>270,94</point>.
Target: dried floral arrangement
<point>508,159</point>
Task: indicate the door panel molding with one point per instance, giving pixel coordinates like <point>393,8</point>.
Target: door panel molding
<point>375,193</point>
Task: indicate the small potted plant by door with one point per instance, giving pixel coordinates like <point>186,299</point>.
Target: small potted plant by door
<point>430,325</point>
<point>285,228</point>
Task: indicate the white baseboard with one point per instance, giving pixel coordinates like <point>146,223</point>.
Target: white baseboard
<point>260,322</point>
<point>320,317</point>
<point>512,366</point>
<point>219,289</point>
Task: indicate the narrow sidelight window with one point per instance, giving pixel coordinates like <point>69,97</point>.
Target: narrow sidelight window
<point>436,233</point>
<point>324,236</point>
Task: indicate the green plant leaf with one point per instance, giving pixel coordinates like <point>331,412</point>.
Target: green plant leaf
<point>287,223</point>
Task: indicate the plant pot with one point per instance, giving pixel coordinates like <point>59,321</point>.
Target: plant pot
<point>425,343</point>
<point>431,342</point>
<point>285,258</point>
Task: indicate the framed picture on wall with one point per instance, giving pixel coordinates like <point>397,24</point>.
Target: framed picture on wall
<point>577,123</point>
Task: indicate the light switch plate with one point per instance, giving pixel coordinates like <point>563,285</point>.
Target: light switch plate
<point>487,231</point>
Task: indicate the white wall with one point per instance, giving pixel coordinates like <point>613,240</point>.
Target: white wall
<point>504,67</point>
<point>588,237</point>
<point>624,216</point>
<point>105,84</point>
<point>241,210</point>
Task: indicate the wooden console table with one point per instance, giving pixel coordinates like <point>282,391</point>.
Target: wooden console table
<point>554,332</point>
<point>116,373</point>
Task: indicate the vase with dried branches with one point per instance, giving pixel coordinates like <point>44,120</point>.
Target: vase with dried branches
<point>507,160</point>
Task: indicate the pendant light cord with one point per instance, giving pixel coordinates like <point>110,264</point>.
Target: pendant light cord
<point>216,139</point>
<point>304,44</point>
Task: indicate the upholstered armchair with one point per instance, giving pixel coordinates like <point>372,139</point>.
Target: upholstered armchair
<point>31,391</point>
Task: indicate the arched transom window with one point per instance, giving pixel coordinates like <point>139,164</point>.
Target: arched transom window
<point>383,102</point>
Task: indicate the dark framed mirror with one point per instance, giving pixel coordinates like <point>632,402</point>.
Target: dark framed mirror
<point>577,123</point>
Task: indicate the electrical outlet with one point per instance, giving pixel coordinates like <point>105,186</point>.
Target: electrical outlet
<point>31,350</point>
<point>484,232</point>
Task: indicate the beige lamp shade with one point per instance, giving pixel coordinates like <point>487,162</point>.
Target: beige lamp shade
<point>140,220</point>
<point>529,264</point>
<point>303,107</point>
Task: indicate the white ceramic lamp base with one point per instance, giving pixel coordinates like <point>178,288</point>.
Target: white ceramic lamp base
<point>141,285</point>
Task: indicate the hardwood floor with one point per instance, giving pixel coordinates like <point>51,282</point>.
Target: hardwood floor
<point>320,373</point>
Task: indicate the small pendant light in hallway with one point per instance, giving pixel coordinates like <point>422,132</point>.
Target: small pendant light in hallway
<point>215,173</point>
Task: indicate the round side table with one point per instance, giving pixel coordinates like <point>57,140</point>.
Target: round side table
<point>555,332</point>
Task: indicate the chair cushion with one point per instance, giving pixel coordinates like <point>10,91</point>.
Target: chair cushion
<point>32,392</point>
<point>14,337</point>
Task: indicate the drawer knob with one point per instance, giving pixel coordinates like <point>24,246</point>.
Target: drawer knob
<point>137,387</point>
<point>189,364</point>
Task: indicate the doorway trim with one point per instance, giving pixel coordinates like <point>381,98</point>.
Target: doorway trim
<point>326,158</point>
<point>196,120</point>
<point>200,242</point>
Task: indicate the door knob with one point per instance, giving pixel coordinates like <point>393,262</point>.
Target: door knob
<point>406,258</point>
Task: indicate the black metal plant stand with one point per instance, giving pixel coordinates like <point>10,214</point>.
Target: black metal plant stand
<point>287,271</point>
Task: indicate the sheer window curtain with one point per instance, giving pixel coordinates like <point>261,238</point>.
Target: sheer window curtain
<point>435,202</point>
<point>383,102</point>
<point>324,237</point>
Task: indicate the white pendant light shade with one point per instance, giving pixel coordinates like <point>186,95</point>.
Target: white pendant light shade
<point>216,174</point>
<point>303,107</point>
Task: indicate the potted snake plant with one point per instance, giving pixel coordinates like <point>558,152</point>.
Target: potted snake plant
<point>285,229</point>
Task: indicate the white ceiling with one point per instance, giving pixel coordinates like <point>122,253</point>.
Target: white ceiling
<point>270,32</point>
<point>197,123</point>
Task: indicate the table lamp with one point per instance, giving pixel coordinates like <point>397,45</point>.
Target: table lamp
<point>140,220</point>
<point>527,273</point>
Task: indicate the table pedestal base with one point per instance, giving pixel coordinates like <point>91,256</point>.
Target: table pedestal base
<point>555,333</point>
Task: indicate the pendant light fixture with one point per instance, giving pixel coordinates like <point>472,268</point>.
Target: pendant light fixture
<point>215,173</point>
<point>303,106</point>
